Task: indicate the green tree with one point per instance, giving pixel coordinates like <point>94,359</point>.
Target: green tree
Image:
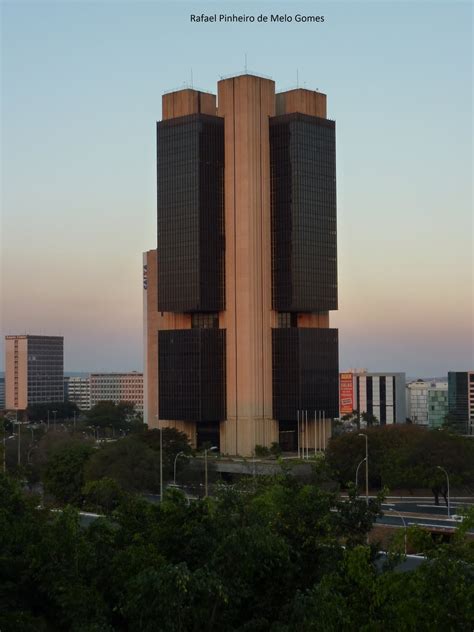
<point>63,474</point>
<point>64,410</point>
<point>104,495</point>
<point>129,462</point>
<point>352,417</point>
<point>63,567</point>
<point>120,418</point>
<point>370,419</point>
<point>264,554</point>
<point>21,523</point>
<point>405,456</point>
<point>174,441</point>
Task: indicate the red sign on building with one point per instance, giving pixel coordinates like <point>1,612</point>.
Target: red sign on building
<point>346,393</point>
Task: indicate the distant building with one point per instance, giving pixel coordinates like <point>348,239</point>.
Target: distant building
<point>461,399</point>
<point>437,404</point>
<point>34,370</point>
<point>117,387</point>
<point>417,402</point>
<point>2,392</point>
<point>380,394</point>
<point>78,390</point>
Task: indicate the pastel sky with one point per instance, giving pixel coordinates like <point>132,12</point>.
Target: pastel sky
<point>81,91</point>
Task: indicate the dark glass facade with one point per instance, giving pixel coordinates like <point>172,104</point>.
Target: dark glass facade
<point>190,173</point>
<point>45,369</point>
<point>192,374</point>
<point>458,400</point>
<point>303,198</point>
<point>305,372</point>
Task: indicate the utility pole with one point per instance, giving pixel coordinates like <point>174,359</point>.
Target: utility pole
<point>366,466</point>
<point>19,439</point>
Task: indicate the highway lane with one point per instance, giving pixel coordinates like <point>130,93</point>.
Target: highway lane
<point>394,520</point>
<point>425,507</point>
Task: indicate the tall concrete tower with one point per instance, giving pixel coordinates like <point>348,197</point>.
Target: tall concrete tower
<point>245,269</point>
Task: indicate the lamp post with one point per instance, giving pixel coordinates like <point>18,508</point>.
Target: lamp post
<point>366,465</point>
<point>447,479</point>
<point>54,413</point>
<point>175,463</point>
<point>357,473</point>
<point>161,463</point>
<point>205,469</point>
<point>404,525</point>
<point>157,416</point>
<point>5,439</point>
<point>18,424</point>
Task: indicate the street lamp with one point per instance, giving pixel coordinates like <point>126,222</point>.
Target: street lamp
<point>366,466</point>
<point>404,525</point>
<point>205,468</point>
<point>161,464</point>
<point>54,413</point>
<point>175,463</point>
<point>447,479</point>
<point>5,439</point>
<point>161,456</point>
<point>18,424</point>
<point>357,473</point>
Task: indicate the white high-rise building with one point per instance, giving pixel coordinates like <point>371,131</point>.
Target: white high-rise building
<point>380,394</point>
<point>117,387</point>
<point>78,390</point>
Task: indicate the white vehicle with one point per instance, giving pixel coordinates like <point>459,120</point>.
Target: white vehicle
<point>457,518</point>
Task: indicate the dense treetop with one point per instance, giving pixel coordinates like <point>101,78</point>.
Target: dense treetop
<point>267,554</point>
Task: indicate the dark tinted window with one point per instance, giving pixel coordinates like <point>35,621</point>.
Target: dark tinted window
<point>190,167</point>
<point>305,371</point>
<point>303,195</point>
<point>192,374</point>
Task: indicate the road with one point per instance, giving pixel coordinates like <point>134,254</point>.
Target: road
<point>423,512</point>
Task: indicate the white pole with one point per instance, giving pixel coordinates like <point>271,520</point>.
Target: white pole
<point>4,447</point>
<point>314,433</point>
<point>367,468</point>
<point>161,464</point>
<point>319,416</point>
<point>298,430</point>
<point>307,435</point>
<point>323,428</point>
<point>404,526</point>
<point>325,431</point>
<point>305,450</point>
<point>366,465</point>
<point>357,473</point>
<point>174,468</point>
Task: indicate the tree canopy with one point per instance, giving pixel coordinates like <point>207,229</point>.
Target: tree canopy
<point>63,475</point>
<point>64,410</point>
<point>121,417</point>
<point>405,456</point>
<point>264,555</point>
